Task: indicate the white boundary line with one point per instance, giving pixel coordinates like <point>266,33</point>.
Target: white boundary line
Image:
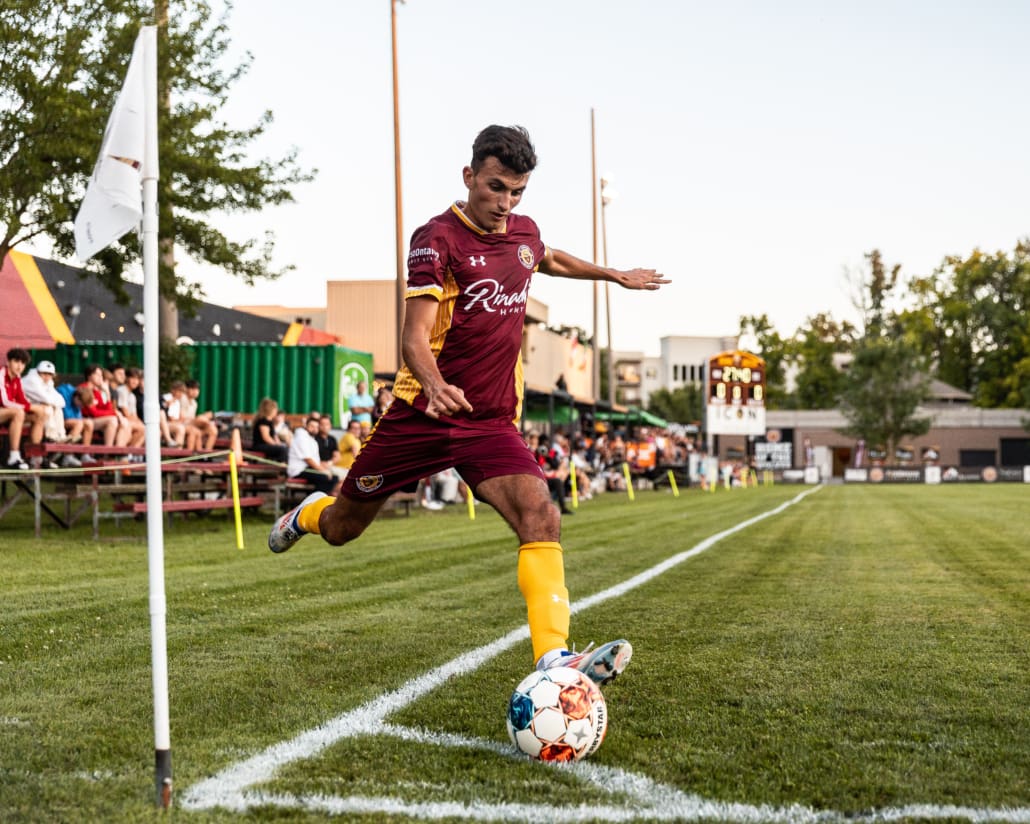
<point>231,788</point>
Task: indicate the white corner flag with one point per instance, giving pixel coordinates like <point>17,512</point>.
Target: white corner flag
<point>121,194</point>
<point>114,202</point>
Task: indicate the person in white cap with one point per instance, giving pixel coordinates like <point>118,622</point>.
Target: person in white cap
<point>38,385</point>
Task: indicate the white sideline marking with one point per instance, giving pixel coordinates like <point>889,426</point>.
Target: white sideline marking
<point>230,788</point>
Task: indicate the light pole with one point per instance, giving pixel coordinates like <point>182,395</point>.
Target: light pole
<point>397,186</point>
<point>606,198</point>
<point>596,371</point>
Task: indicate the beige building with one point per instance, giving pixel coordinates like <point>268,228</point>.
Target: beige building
<point>362,314</point>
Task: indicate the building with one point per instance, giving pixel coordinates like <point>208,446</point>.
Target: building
<point>683,359</point>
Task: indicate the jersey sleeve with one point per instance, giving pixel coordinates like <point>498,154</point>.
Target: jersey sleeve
<point>427,261</point>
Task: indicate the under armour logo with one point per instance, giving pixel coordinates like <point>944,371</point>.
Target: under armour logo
<point>477,261</point>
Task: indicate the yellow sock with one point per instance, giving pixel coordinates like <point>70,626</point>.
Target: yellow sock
<point>542,582</point>
<point>308,517</point>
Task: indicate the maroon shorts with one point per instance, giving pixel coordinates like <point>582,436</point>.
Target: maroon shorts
<point>406,445</point>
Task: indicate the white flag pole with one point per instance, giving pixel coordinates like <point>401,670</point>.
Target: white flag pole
<point>151,416</point>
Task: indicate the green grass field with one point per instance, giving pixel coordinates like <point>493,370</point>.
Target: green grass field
<point>864,653</point>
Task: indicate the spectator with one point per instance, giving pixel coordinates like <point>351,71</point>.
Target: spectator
<point>551,465</point>
<point>174,409</point>
<point>350,445</point>
<point>171,406</point>
<point>124,383</point>
<point>328,448</point>
<point>203,423</point>
<point>16,410</point>
<point>384,397</point>
<point>361,405</point>
<point>265,439</point>
<point>100,407</point>
<point>79,429</point>
<point>448,487</point>
<point>38,386</point>
<point>282,428</point>
<point>303,460</point>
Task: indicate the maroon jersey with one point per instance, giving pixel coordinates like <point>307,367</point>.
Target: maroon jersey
<point>481,280</point>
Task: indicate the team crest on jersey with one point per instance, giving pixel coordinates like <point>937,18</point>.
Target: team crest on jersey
<point>369,483</point>
<point>526,256</point>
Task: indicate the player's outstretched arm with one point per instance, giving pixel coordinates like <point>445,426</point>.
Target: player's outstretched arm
<point>562,264</point>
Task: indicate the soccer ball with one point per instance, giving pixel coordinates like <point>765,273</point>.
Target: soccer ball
<point>557,714</point>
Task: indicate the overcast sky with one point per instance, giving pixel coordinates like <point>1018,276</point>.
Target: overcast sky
<point>757,149</point>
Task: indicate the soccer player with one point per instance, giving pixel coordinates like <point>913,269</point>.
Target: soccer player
<point>459,390</point>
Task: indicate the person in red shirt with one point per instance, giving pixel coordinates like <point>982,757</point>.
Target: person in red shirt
<point>458,395</point>
<point>16,410</point>
<point>106,419</point>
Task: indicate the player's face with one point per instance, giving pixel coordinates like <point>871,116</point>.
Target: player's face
<point>494,191</point>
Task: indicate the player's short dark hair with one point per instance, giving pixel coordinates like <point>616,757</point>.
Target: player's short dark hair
<point>509,144</point>
<point>18,354</point>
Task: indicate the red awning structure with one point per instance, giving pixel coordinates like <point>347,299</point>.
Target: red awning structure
<point>29,316</point>
<point>299,334</point>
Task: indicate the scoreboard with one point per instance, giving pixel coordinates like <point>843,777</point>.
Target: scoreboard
<point>736,394</point>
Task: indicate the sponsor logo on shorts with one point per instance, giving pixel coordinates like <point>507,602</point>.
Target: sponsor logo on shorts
<point>526,256</point>
<point>369,483</point>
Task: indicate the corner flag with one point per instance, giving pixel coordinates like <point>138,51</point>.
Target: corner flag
<point>121,194</point>
<point>114,203</point>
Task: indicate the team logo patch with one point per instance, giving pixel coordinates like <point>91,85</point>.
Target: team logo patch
<point>526,256</point>
<point>369,483</point>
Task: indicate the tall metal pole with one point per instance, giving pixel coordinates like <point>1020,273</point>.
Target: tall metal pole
<point>596,375</point>
<point>399,317</point>
<point>607,299</point>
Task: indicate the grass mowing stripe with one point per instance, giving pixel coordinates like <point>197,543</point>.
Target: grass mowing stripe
<point>225,789</point>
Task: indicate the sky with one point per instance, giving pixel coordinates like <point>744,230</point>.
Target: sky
<point>757,150</point>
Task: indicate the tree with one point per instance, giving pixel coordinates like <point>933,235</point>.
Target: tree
<point>777,352</point>
<point>973,320</point>
<point>886,381</point>
<point>820,379</point>
<point>685,404</point>
<point>60,70</point>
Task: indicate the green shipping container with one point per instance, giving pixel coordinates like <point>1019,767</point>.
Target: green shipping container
<point>234,377</point>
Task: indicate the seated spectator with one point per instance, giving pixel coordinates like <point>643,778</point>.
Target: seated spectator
<point>171,407</point>
<point>125,403</point>
<point>77,427</point>
<point>100,407</point>
<point>203,423</point>
<point>551,465</point>
<point>350,446</point>
<point>448,487</point>
<point>303,460</point>
<point>384,397</point>
<point>282,428</point>
<point>16,410</point>
<point>265,440</point>
<point>328,448</point>
<point>38,386</point>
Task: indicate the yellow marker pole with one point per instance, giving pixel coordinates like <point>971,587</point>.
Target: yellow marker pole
<point>672,483</point>
<point>629,481</point>
<point>572,481</point>
<point>471,500</point>
<point>236,499</point>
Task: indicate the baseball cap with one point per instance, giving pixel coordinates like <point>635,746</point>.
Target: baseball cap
<point>46,367</point>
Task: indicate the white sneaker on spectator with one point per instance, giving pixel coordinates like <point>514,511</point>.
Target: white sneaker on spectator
<point>69,460</point>
<point>17,463</point>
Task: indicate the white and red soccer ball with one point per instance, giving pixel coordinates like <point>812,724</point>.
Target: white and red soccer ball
<point>557,714</point>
